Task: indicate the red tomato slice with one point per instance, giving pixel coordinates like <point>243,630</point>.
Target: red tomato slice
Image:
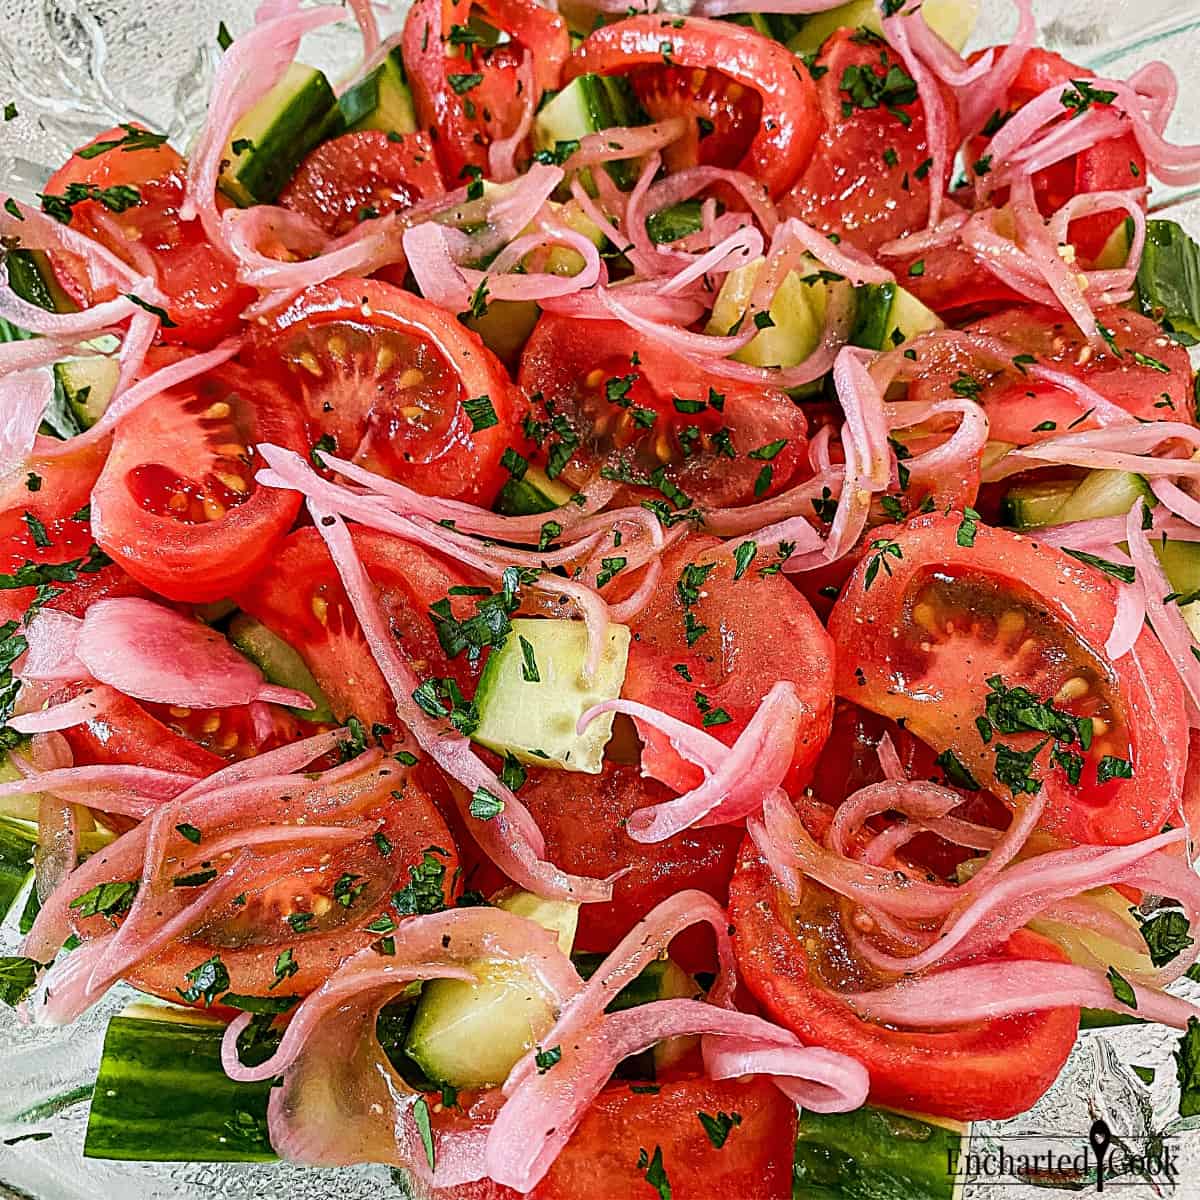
<point>757,632</point>
<point>1147,374</point>
<point>359,176</point>
<point>300,597</point>
<point>177,504</point>
<point>386,375</point>
<point>204,299</point>
<point>870,174</point>
<point>583,818</point>
<point>786,118</point>
<point>1117,164</point>
<point>611,398</point>
<point>922,637</point>
<point>250,936</point>
<point>601,1161</point>
<point>467,94</point>
<point>796,962</point>
<point>952,283</point>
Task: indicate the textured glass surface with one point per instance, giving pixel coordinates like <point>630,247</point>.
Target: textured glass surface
<point>75,67</point>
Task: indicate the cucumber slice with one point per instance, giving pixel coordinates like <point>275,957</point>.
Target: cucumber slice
<point>22,807</point>
<point>534,492</point>
<point>32,277</point>
<point>1103,494</point>
<point>560,917</point>
<point>1116,250</point>
<point>17,841</point>
<point>280,663</point>
<point>297,113</point>
<point>380,100</point>
<point>1181,562</point>
<point>161,1095</point>
<point>470,1035</point>
<point>678,221</point>
<point>1032,505</point>
<point>887,316</point>
<point>88,385</point>
<point>875,1154</point>
<point>586,105</point>
<point>952,19</point>
<point>535,719</point>
<point>797,317</point>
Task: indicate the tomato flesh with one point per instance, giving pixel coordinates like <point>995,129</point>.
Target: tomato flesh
<point>601,1161</point>
<point>796,961</point>
<point>301,598</point>
<point>360,176</point>
<point>602,396</point>
<point>732,56</point>
<point>203,298</point>
<point>757,631</point>
<point>871,173</point>
<point>178,505</point>
<point>925,637</point>
<point>386,376</point>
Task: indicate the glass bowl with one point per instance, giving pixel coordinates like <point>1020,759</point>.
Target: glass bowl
<point>76,67</point>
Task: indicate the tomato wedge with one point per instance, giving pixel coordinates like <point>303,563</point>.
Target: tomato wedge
<point>468,93</point>
<point>300,597</point>
<point>177,504</point>
<point>251,931</point>
<point>384,377</point>
<point>753,633</point>
<point>787,118</point>
<point>871,172</point>
<point>604,1158</point>
<point>583,819</point>
<point>1141,370</point>
<point>204,299</point>
<point>946,636</point>
<point>1114,164</point>
<point>602,396</point>
<point>796,961</point>
<point>360,176</point>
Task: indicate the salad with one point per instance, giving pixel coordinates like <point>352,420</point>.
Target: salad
<point>609,605</point>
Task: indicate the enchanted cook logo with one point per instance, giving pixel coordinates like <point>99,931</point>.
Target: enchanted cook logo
<point>1105,1160</point>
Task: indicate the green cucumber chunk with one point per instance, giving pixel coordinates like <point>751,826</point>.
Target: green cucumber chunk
<point>21,807</point>
<point>588,104</point>
<point>17,842</point>
<point>535,718</point>
<point>505,328</point>
<point>952,19</point>
<point>875,1154</point>
<point>271,139</point>
<point>88,385</point>
<point>380,100</point>
<point>161,1095</point>
<point>1168,280</point>
<point>887,316</point>
<point>535,492</point>
<point>32,277</point>
<point>796,316</point>
<point>471,1034</point>
<point>280,663</point>
<point>1057,502</point>
<point>1181,563</point>
<point>678,221</point>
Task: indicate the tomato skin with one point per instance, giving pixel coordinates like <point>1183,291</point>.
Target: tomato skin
<point>1018,406</point>
<point>985,1071</point>
<point>204,299</point>
<point>849,188</point>
<point>463,124</point>
<point>158,452</point>
<point>760,631</point>
<point>1116,164</point>
<point>583,819</point>
<point>783,145</point>
<point>600,1162</point>
<point>300,597</point>
<point>424,439</point>
<point>906,655</point>
<point>569,365</point>
<point>344,176</point>
<point>953,284</point>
